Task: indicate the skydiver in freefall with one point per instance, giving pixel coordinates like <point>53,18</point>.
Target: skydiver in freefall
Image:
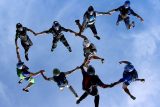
<point>89,20</point>
<point>61,79</point>
<point>26,42</point>
<point>129,75</point>
<point>125,12</point>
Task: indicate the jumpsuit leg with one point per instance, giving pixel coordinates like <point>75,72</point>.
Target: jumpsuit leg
<point>85,94</point>
<point>94,30</point>
<point>26,49</point>
<point>54,43</point>
<point>73,91</point>
<point>96,100</point>
<point>119,19</point>
<point>128,24</point>
<point>65,43</point>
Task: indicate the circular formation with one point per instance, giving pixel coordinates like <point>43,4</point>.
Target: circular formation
<point>90,80</point>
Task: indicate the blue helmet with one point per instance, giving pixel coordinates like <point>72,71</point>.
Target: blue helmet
<point>127,4</point>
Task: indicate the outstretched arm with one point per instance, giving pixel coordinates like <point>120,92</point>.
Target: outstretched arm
<point>113,10</point>
<point>142,80</point>
<point>102,13</point>
<point>31,31</point>
<point>46,31</point>
<point>101,84</point>
<point>71,71</point>
<point>46,78</point>
<point>17,48</point>
<point>125,62</point>
<point>135,14</point>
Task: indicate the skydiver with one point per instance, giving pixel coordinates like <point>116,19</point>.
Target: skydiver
<point>89,20</point>
<point>129,75</point>
<point>26,42</point>
<point>90,52</point>
<point>90,84</point>
<point>24,74</point>
<point>61,80</point>
<point>56,30</point>
<point>125,11</point>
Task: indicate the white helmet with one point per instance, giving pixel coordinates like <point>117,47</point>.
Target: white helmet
<point>86,43</point>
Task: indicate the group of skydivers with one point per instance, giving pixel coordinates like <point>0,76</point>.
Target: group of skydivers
<point>90,80</point>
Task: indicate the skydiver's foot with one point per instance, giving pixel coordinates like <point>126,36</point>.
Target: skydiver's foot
<point>133,97</point>
<point>77,102</point>
<point>26,56</point>
<point>133,24</point>
<point>20,82</point>
<point>142,80</point>
<point>26,90</point>
<point>102,60</point>
<point>96,36</point>
<point>77,21</point>
<point>52,50</point>
<point>69,49</point>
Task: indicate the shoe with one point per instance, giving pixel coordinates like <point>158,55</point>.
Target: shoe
<point>26,90</point>
<point>96,36</point>
<point>26,56</point>
<point>133,24</point>
<point>77,21</point>
<point>52,50</point>
<point>77,102</point>
<point>133,97</point>
<point>69,48</point>
<point>102,60</point>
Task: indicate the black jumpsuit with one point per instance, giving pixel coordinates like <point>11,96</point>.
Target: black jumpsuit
<point>124,15</point>
<point>58,35</point>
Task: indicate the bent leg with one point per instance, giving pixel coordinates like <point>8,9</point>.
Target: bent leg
<point>85,94</point>
<point>127,91</point>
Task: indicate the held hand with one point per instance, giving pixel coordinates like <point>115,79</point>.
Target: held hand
<point>142,80</point>
<point>120,62</point>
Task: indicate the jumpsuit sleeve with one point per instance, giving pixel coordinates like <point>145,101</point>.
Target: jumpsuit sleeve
<point>101,84</point>
<point>100,13</point>
<point>48,31</point>
<point>64,29</point>
<point>133,13</point>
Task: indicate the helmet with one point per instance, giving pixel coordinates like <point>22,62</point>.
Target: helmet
<point>86,43</point>
<point>90,9</point>
<point>56,71</point>
<point>91,70</point>
<point>18,25</point>
<point>127,4</point>
<point>56,25</point>
<point>20,65</point>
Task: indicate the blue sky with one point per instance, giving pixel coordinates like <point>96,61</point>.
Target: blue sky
<point>139,45</point>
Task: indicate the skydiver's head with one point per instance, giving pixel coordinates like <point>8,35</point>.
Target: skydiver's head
<point>56,72</point>
<point>127,4</point>
<point>20,65</point>
<point>90,10</point>
<point>86,43</point>
<point>91,70</point>
<point>19,27</point>
<point>56,25</point>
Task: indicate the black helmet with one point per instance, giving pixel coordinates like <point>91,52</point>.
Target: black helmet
<point>56,23</point>
<point>90,9</point>
<point>91,70</point>
<point>56,71</point>
<point>20,65</point>
<point>18,25</point>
